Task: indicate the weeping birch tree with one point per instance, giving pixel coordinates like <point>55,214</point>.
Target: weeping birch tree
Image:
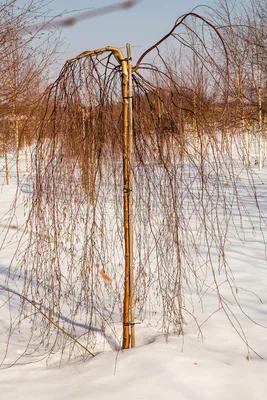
<point>128,216</point>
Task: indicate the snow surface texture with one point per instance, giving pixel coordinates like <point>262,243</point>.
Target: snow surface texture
<point>215,366</point>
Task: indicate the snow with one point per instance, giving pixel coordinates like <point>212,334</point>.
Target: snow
<point>212,362</point>
<point>159,370</point>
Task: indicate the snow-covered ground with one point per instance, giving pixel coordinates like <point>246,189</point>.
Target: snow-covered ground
<point>216,364</point>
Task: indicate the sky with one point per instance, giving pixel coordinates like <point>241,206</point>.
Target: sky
<point>142,25</point>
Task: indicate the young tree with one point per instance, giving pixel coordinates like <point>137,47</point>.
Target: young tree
<point>24,67</point>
